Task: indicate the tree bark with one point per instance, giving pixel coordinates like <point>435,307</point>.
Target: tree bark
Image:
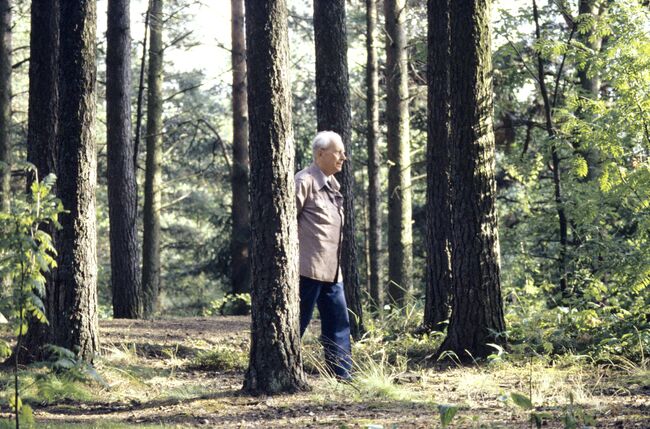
<point>74,323</point>
<point>372,141</point>
<point>122,192</point>
<point>41,142</point>
<point>275,363</point>
<point>5,105</point>
<point>240,265</point>
<point>153,178</point>
<point>477,313</point>
<point>400,237</point>
<point>333,114</point>
<point>438,211</point>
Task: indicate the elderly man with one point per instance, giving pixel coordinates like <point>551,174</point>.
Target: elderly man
<point>320,233</point>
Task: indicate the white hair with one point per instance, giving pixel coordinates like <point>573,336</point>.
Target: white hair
<point>322,141</point>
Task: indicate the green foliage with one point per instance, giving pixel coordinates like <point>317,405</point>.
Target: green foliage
<point>27,253</point>
<point>604,144</point>
<point>233,304</point>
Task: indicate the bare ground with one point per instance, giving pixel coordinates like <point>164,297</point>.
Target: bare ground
<point>152,381</point>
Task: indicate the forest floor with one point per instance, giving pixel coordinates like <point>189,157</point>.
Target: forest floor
<point>187,372</point>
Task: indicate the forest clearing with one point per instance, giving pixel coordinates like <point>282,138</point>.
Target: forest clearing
<point>188,372</point>
<point>458,191</point>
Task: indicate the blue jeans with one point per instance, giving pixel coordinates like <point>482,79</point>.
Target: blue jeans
<point>335,324</point>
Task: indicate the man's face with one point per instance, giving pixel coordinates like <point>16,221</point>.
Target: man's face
<point>331,159</point>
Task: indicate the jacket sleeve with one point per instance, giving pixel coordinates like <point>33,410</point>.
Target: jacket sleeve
<point>302,191</point>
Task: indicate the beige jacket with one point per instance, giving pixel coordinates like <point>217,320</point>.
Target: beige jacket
<point>320,222</point>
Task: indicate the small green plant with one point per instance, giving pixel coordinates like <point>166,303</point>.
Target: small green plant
<point>26,253</point>
<point>221,359</point>
<point>447,413</point>
<point>575,417</point>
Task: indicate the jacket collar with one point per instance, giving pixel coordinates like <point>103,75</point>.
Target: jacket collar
<point>321,178</point>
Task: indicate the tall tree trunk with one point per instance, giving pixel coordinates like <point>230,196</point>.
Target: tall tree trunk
<point>374,186</point>
<point>477,313</point>
<point>74,324</point>
<point>275,363</point>
<point>241,268</point>
<point>122,192</point>
<point>41,141</point>
<point>5,104</point>
<point>400,237</point>
<point>438,214</point>
<point>153,177</point>
<point>333,114</point>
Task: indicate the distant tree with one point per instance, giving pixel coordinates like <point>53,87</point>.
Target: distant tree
<point>588,13</point>
<point>372,137</point>
<point>558,192</point>
<point>41,140</point>
<point>400,236</point>
<point>240,260</point>
<point>438,214</point>
<point>122,192</point>
<point>275,363</point>
<point>333,114</point>
<point>477,312</point>
<point>153,175</point>
<point>74,320</point>
<point>5,103</point>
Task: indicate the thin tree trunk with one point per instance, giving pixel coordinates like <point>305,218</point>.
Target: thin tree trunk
<point>138,114</point>
<point>241,268</point>
<point>477,313</point>
<point>374,186</point>
<point>400,237</point>
<point>122,192</point>
<point>5,105</point>
<point>74,324</point>
<point>438,214</point>
<point>153,178</point>
<point>555,163</point>
<point>590,80</point>
<point>41,142</point>
<point>275,363</point>
<point>333,114</point>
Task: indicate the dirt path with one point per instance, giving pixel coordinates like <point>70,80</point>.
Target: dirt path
<point>152,379</point>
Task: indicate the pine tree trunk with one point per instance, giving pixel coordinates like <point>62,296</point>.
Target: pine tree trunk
<point>41,142</point>
<point>241,268</point>
<point>333,114</point>
<point>122,192</point>
<point>5,105</point>
<point>275,359</point>
<point>477,313</point>
<point>438,214</point>
<point>400,257</point>
<point>153,177</point>
<point>74,324</point>
<point>374,185</point>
